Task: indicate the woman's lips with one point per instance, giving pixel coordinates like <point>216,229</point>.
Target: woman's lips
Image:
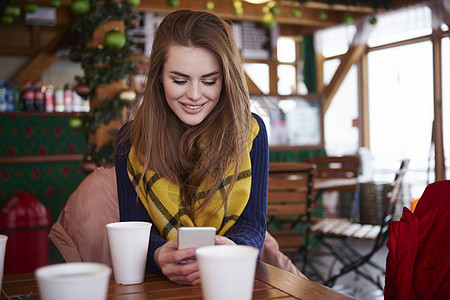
<point>192,108</point>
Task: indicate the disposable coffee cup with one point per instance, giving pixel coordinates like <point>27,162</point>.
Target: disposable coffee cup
<point>73,281</point>
<point>227,271</point>
<point>128,243</point>
<point>3,240</point>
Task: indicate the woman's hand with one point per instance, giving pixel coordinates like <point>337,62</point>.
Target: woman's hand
<point>221,240</point>
<point>178,266</point>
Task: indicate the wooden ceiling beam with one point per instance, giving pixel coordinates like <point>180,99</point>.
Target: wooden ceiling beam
<point>42,60</point>
<point>353,54</point>
<point>254,12</point>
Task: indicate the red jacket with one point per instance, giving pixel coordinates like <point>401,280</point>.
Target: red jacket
<point>418,261</point>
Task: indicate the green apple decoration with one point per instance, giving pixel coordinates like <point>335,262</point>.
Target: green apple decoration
<point>209,5</point>
<point>114,39</point>
<point>296,12</point>
<point>173,3</point>
<point>269,21</point>
<point>347,18</point>
<point>7,19</point>
<point>322,15</point>
<point>134,2</point>
<point>12,10</point>
<point>76,123</point>
<point>80,7</point>
<point>275,9</point>
<point>30,7</point>
<point>54,3</point>
<point>237,8</point>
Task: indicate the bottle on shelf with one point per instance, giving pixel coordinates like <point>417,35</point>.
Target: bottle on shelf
<point>39,96</point>
<point>68,98</point>
<point>49,99</point>
<point>77,102</point>
<point>18,105</point>
<point>86,104</point>
<point>59,99</point>
<point>2,96</point>
<point>27,96</point>
<point>9,96</point>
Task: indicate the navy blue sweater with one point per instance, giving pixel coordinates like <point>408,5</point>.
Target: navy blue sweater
<point>250,228</point>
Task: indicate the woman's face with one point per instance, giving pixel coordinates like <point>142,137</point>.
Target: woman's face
<point>192,80</point>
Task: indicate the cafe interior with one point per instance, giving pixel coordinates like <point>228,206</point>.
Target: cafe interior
<point>353,94</point>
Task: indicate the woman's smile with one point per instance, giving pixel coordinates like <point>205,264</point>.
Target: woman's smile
<point>192,80</point>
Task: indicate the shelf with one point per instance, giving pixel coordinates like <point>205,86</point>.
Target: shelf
<point>41,159</point>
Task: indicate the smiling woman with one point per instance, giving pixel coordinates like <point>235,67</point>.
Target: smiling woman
<point>192,80</point>
<point>194,155</point>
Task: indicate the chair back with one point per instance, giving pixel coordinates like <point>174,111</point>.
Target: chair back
<point>290,197</point>
<point>346,166</point>
<point>393,195</point>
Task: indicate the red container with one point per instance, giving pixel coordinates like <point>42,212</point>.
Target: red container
<point>27,223</point>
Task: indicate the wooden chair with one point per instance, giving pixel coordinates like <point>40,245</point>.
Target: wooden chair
<point>347,166</point>
<point>336,234</point>
<point>290,201</point>
<point>343,169</point>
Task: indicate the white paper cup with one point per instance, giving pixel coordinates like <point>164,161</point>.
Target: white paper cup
<point>227,271</point>
<point>128,242</point>
<point>73,281</point>
<point>3,240</point>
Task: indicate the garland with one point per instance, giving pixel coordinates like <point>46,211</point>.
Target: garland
<point>102,65</point>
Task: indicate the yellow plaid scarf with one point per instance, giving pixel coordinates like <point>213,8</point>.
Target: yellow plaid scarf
<point>160,197</point>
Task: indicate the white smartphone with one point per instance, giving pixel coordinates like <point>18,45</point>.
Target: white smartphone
<point>189,237</point>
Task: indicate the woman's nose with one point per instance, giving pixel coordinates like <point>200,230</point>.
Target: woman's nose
<point>194,92</point>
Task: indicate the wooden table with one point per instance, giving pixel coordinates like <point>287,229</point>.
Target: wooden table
<point>270,283</point>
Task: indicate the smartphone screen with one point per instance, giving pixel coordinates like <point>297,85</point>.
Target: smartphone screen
<point>189,237</point>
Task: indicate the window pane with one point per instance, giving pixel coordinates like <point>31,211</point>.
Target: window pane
<point>401,109</point>
<point>286,79</point>
<point>286,49</point>
<point>259,73</point>
<point>334,40</point>
<point>341,137</point>
<point>401,25</point>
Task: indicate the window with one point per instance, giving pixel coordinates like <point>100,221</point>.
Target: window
<point>340,131</point>
<point>401,108</point>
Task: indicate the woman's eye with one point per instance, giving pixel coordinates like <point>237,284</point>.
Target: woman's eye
<point>209,82</point>
<point>179,82</point>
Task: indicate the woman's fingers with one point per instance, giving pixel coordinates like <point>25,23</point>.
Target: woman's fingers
<point>221,240</point>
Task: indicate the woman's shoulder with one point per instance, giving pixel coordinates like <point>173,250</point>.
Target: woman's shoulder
<point>260,121</point>
<point>123,139</point>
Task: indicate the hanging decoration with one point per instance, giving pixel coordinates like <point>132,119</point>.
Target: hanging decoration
<point>322,15</point>
<point>30,7</point>
<point>270,10</point>
<point>296,12</point>
<point>173,3</point>
<point>114,39</point>
<point>105,57</point>
<point>209,5</point>
<point>237,8</point>
<point>80,7</point>
<point>347,18</point>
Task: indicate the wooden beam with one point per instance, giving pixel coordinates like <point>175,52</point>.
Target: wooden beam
<point>353,54</point>
<point>439,168</point>
<point>41,61</point>
<point>254,12</point>
<point>364,120</point>
<point>253,89</point>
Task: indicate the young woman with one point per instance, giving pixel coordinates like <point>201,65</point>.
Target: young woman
<point>194,155</point>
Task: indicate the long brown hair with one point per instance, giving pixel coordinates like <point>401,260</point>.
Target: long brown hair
<point>192,155</point>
